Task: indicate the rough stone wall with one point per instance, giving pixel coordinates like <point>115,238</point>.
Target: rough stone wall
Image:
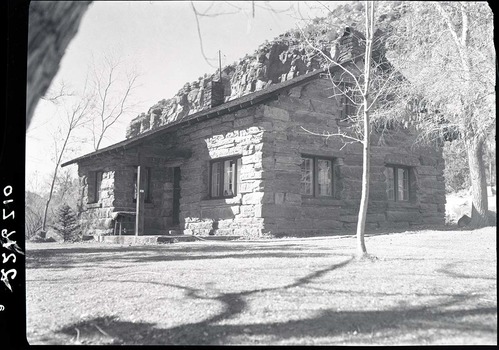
<point>96,218</point>
<point>238,133</point>
<point>235,134</point>
<point>117,190</point>
<point>271,139</point>
<point>282,59</point>
<point>287,212</point>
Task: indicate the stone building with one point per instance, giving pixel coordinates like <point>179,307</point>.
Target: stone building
<point>250,167</point>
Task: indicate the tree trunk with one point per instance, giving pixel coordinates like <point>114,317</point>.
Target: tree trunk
<point>43,232</point>
<point>52,25</point>
<point>479,206</point>
<point>366,154</point>
<point>364,200</point>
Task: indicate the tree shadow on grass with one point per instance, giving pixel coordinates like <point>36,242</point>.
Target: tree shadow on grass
<point>368,326</point>
<point>448,269</point>
<point>64,258</point>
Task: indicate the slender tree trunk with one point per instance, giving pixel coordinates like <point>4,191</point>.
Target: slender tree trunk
<point>47,203</point>
<point>58,162</point>
<point>364,200</point>
<point>478,178</point>
<point>366,154</point>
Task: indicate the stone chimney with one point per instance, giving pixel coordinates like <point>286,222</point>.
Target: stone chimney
<point>351,45</point>
<point>213,94</point>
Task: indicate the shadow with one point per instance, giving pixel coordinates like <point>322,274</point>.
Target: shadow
<point>367,327</point>
<point>447,270</point>
<point>117,332</point>
<point>364,326</point>
<point>78,257</point>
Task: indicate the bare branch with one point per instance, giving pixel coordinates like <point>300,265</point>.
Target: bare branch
<point>196,15</point>
<point>328,135</point>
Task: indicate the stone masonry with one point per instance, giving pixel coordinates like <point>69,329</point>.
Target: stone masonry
<point>270,138</point>
<point>271,129</point>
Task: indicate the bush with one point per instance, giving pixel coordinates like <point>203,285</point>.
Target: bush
<point>66,224</point>
<point>39,239</point>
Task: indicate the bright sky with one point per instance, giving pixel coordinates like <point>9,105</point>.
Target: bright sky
<point>159,39</point>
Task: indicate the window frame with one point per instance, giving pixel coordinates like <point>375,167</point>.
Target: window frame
<point>222,161</point>
<point>147,181</point>
<point>96,178</point>
<point>395,168</point>
<point>315,176</point>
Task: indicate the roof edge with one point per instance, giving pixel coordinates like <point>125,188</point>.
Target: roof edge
<point>228,107</point>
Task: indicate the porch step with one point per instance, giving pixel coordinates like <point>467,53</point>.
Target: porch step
<point>217,238</point>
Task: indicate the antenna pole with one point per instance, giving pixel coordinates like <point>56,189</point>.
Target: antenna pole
<point>220,63</point>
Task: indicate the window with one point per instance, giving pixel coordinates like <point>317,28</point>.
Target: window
<point>398,183</point>
<point>316,177</point>
<point>94,184</point>
<point>146,176</point>
<point>347,95</point>
<point>225,177</point>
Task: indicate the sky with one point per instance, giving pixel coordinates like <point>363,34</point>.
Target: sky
<point>160,41</point>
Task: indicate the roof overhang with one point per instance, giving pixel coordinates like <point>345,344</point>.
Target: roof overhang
<point>228,107</point>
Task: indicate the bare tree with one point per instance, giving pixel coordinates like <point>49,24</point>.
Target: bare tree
<point>446,50</point>
<point>214,10</point>
<point>362,79</point>
<point>76,116</point>
<point>366,153</point>
<point>33,220</point>
<point>65,184</point>
<point>111,97</point>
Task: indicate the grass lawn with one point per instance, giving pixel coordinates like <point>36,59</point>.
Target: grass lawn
<point>426,287</point>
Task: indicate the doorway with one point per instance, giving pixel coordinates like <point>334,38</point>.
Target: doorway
<point>176,196</point>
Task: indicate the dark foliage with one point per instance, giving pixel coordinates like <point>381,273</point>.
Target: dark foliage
<point>67,224</point>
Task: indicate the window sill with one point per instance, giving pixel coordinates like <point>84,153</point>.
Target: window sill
<point>94,205</point>
<point>146,204</point>
<point>326,201</point>
<point>208,202</point>
<point>401,204</point>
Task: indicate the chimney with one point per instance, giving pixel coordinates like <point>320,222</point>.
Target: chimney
<point>214,94</point>
<point>350,45</point>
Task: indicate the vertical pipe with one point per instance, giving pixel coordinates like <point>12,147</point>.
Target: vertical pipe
<point>220,63</point>
<point>138,208</point>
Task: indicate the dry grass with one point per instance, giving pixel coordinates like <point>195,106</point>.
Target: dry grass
<point>429,287</point>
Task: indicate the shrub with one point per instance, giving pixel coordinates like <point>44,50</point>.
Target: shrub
<point>39,239</point>
<point>66,224</point>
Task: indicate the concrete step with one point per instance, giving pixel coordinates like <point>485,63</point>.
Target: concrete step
<point>217,238</point>
<point>143,240</point>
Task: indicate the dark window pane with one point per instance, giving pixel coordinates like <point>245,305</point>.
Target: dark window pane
<point>98,182</point>
<point>390,184</point>
<point>307,183</point>
<point>215,179</point>
<point>324,177</point>
<point>403,184</point>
